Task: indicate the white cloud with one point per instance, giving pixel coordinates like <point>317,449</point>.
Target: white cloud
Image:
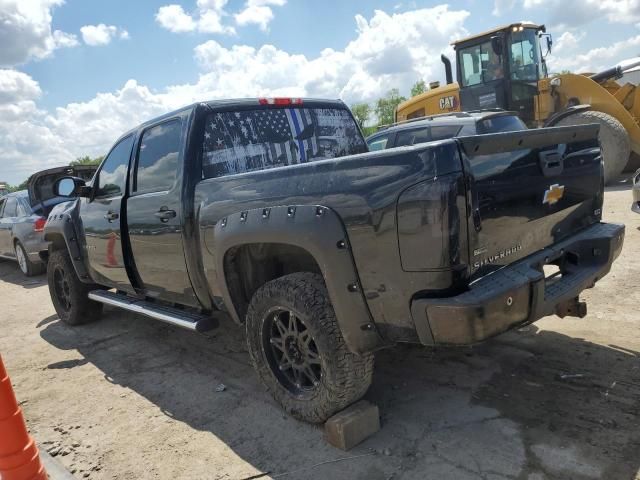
<point>258,12</point>
<point>388,51</point>
<point>572,13</point>
<point>174,19</point>
<point>568,42</point>
<point>25,31</point>
<point>17,86</point>
<point>597,59</point>
<point>501,6</point>
<point>207,18</point>
<point>101,34</point>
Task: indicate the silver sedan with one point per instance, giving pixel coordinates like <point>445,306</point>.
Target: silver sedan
<point>22,232</point>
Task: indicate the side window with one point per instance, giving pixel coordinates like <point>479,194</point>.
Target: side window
<point>11,208</point>
<point>445,131</point>
<point>479,64</point>
<point>158,158</point>
<point>23,211</point>
<point>378,143</point>
<point>412,137</point>
<point>2,202</point>
<point>112,177</point>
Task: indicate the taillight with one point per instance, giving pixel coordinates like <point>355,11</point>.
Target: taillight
<point>280,101</point>
<point>38,225</point>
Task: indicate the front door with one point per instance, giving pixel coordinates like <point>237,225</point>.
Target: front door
<point>101,217</point>
<point>154,215</point>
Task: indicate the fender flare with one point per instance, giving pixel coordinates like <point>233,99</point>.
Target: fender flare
<point>556,117</point>
<point>63,223</point>
<point>319,231</point>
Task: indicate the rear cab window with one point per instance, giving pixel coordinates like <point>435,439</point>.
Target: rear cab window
<point>260,139</point>
<point>501,123</point>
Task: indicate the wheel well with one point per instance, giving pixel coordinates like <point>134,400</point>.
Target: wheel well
<point>248,267</point>
<point>56,241</point>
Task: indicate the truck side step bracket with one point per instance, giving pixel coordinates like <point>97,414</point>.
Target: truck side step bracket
<point>191,321</point>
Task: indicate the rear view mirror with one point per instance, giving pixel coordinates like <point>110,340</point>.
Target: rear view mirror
<point>496,44</point>
<point>70,187</point>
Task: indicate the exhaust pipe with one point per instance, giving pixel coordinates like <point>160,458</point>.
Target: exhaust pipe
<point>447,68</point>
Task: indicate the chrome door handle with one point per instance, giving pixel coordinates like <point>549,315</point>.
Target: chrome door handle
<point>111,216</point>
<point>164,214</point>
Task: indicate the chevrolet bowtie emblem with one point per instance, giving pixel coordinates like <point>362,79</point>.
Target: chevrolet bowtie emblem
<point>553,194</point>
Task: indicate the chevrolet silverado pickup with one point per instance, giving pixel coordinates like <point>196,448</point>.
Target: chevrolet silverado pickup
<point>273,214</point>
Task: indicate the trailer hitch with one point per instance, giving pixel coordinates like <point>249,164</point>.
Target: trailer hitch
<point>572,308</point>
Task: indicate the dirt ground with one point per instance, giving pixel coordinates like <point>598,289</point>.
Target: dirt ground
<point>131,398</point>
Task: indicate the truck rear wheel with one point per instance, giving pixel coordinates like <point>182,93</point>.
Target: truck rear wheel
<point>298,351</point>
<point>68,294</point>
<point>614,140</point>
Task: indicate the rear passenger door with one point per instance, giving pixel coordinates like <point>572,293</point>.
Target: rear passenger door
<point>154,215</point>
<point>5,233</point>
<point>9,212</point>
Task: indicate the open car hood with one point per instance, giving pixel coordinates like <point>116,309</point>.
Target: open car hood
<point>40,184</point>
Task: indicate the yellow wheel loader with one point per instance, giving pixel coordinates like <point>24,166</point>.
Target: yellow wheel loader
<point>505,68</point>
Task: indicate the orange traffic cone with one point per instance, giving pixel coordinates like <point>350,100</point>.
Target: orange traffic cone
<point>19,459</point>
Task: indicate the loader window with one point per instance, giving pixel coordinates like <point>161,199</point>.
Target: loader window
<point>480,64</point>
<point>524,55</point>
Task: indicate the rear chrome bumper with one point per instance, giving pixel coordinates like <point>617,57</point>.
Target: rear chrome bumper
<point>519,293</point>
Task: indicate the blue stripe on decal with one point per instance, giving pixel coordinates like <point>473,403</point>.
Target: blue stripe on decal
<point>296,127</point>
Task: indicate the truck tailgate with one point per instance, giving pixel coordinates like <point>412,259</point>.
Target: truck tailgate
<point>529,190</point>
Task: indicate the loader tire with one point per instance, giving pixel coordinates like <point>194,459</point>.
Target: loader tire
<point>614,140</point>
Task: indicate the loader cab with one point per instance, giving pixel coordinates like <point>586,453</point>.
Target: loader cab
<point>501,69</point>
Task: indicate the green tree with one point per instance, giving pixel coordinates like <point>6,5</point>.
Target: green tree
<point>418,88</point>
<point>362,112</point>
<point>86,160</point>
<point>386,107</point>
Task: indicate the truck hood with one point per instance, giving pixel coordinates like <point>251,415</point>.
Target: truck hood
<point>40,184</point>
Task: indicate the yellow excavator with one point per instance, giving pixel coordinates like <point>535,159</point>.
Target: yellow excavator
<point>505,68</point>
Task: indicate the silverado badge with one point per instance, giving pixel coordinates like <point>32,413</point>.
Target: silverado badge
<point>553,194</point>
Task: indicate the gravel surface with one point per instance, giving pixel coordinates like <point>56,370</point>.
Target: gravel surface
<point>130,398</point>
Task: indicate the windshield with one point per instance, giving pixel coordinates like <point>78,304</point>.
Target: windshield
<point>524,56</point>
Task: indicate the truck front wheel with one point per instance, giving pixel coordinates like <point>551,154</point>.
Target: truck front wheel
<point>68,294</point>
<point>298,351</point>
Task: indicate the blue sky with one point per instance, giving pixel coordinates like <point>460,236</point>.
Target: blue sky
<point>75,74</point>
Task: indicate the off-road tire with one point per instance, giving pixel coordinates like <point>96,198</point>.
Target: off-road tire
<point>345,376</point>
<point>614,140</point>
<point>30,268</point>
<point>79,309</point>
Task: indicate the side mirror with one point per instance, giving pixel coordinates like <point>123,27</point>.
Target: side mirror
<point>71,187</point>
<point>496,44</point>
<point>549,44</point>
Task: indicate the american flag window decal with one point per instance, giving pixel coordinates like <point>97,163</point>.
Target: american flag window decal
<point>250,140</point>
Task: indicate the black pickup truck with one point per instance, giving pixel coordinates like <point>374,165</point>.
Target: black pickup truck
<point>273,213</point>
